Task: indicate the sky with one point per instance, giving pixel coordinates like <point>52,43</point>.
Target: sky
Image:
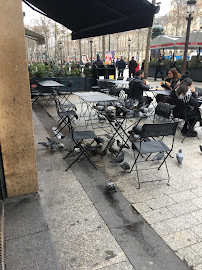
<point>31,15</point>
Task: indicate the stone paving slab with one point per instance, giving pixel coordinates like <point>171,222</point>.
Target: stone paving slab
<point>31,252</point>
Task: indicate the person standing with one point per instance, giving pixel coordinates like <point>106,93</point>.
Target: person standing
<point>142,67</point>
<point>121,66</point>
<point>159,67</point>
<point>132,67</point>
<point>98,62</point>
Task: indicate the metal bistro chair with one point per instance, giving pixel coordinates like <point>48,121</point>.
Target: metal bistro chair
<point>63,117</point>
<point>78,137</point>
<point>164,110</point>
<point>147,148</point>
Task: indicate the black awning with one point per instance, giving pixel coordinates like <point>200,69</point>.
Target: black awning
<point>89,18</point>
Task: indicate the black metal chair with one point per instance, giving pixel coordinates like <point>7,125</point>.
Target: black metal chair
<point>78,137</point>
<point>146,148</point>
<point>64,117</point>
<point>164,111</point>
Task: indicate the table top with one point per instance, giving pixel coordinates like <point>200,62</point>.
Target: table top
<point>94,96</point>
<point>161,91</point>
<point>114,81</point>
<point>50,83</point>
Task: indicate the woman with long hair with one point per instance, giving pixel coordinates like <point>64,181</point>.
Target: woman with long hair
<point>186,106</point>
<point>170,84</point>
<point>172,79</point>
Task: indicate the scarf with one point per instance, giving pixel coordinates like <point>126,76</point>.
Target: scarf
<point>185,97</point>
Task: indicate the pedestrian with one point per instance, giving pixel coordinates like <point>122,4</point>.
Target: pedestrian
<point>137,88</point>
<point>159,67</point>
<point>142,67</point>
<point>132,67</point>
<point>98,62</point>
<point>87,64</point>
<point>121,66</point>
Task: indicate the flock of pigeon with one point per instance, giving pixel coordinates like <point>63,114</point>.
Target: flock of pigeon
<point>127,108</point>
<point>98,149</point>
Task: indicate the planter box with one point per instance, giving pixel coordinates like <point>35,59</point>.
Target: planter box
<point>151,72</point>
<point>196,74</point>
<point>79,84</point>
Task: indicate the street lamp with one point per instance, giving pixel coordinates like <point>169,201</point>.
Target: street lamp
<point>91,52</point>
<point>190,9</point>
<point>95,50</point>
<point>75,54</point>
<point>129,42</point>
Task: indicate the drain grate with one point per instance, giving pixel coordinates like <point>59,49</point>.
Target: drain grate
<point>2,263</point>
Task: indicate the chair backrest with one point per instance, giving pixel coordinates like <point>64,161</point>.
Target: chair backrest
<point>163,109</point>
<point>199,91</point>
<point>57,104</point>
<point>156,130</point>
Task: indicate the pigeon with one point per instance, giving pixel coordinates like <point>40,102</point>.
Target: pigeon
<point>111,142</point>
<point>77,150</point>
<point>118,159</point>
<point>51,140</point>
<point>102,153</point>
<point>200,146</point>
<point>158,156</point>
<point>109,136</point>
<point>99,140</point>
<point>100,108</point>
<point>125,166</point>
<point>143,109</point>
<point>101,118</point>
<point>111,187</point>
<point>54,147</point>
<point>113,150</point>
<point>121,145</point>
<point>46,144</point>
<point>61,146</point>
<point>180,156</point>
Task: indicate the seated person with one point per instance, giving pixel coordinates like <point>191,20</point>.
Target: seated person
<point>136,88</point>
<point>185,99</point>
<point>169,84</point>
<point>171,80</point>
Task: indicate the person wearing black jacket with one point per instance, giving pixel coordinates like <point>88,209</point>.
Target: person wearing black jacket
<point>159,67</point>
<point>98,62</point>
<point>132,67</point>
<point>137,87</point>
<point>121,65</point>
<point>186,106</point>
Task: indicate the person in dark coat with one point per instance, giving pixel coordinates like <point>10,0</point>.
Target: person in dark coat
<point>98,62</point>
<point>137,87</point>
<point>142,67</point>
<point>121,65</point>
<point>132,67</point>
<point>159,67</point>
<point>186,106</point>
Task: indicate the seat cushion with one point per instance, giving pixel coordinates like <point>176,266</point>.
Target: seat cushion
<point>83,135</point>
<point>151,147</point>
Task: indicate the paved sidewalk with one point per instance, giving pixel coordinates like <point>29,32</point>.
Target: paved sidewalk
<point>174,212</point>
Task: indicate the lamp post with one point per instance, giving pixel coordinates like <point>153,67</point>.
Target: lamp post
<point>95,50</point>
<point>129,42</point>
<point>190,9</point>
<point>75,54</point>
<point>60,48</point>
<point>91,52</point>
